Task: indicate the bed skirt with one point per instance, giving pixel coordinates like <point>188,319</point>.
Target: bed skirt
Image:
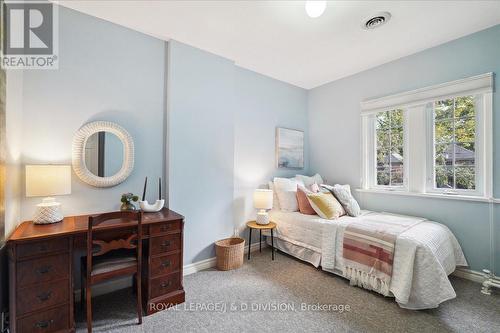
<point>304,254</point>
<point>299,252</point>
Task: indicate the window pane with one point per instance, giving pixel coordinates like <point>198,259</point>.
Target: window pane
<point>397,137</point>
<point>397,155</point>
<point>464,107</point>
<point>397,118</point>
<point>397,175</point>
<point>465,178</point>
<point>444,131</point>
<point>382,122</point>
<point>454,146</point>
<point>443,109</point>
<point>444,177</point>
<point>383,139</point>
<point>390,142</point>
<point>444,154</point>
<point>383,176</point>
<point>382,157</point>
<point>465,130</point>
<point>464,154</point>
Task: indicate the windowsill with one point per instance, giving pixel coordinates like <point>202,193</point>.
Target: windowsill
<point>430,195</point>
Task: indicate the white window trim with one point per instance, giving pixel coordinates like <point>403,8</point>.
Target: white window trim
<point>417,156</point>
<point>430,195</point>
<point>474,85</point>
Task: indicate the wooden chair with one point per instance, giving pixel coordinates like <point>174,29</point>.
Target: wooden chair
<point>109,259</point>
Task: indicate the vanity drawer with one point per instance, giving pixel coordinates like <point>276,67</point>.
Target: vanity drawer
<point>54,320</point>
<point>42,247</point>
<point>44,269</point>
<point>167,243</point>
<point>165,284</point>
<point>41,296</point>
<point>160,228</point>
<point>165,264</point>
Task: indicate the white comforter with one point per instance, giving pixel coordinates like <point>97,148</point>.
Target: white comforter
<point>424,257</point>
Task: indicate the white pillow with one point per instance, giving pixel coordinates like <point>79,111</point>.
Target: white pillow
<point>276,203</point>
<point>286,190</point>
<point>308,181</point>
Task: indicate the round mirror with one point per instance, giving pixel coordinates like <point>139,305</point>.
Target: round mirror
<point>103,154</point>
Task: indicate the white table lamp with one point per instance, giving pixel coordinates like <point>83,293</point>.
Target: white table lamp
<point>46,181</point>
<point>262,200</point>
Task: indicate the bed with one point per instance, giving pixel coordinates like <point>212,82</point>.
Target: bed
<point>424,255</point>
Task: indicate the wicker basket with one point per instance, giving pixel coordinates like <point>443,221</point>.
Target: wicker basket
<point>230,253</point>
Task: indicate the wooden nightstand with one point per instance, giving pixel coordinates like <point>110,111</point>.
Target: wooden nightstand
<point>253,225</point>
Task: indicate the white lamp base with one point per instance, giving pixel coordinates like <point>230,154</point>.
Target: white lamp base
<point>262,217</point>
<point>49,211</point>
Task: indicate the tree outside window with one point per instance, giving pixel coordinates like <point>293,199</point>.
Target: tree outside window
<point>389,131</point>
<point>454,143</point>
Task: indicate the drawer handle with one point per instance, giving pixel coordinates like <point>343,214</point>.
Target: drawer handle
<point>165,244</point>
<point>165,227</point>
<point>44,296</point>
<point>44,269</point>
<point>166,263</point>
<point>166,284</point>
<point>43,323</point>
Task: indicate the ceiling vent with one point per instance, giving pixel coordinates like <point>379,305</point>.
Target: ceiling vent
<point>376,21</point>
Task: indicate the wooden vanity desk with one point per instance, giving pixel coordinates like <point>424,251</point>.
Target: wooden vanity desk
<point>41,272</point>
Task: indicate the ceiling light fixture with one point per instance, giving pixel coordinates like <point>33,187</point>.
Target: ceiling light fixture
<point>376,21</point>
<point>315,8</point>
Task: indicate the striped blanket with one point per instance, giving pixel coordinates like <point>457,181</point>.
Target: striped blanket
<point>368,249</point>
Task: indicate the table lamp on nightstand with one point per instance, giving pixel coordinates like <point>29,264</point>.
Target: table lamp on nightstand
<point>263,200</point>
<point>46,181</point>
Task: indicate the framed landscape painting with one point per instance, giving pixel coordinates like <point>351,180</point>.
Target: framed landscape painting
<point>289,148</point>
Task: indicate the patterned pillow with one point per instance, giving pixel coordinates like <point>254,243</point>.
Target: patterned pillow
<point>343,194</point>
<point>315,188</point>
<point>304,205</point>
<point>325,205</point>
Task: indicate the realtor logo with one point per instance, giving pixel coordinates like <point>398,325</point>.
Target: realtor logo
<point>29,35</point>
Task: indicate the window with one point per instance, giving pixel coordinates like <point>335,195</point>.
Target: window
<point>430,141</point>
<point>455,143</point>
<point>389,148</point>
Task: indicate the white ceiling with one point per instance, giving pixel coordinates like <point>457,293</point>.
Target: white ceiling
<point>278,39</point>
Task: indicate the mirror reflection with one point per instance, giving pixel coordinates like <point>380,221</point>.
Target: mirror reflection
<point>103,154</point>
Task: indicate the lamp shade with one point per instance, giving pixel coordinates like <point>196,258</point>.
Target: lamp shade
<point>263,199</point>
<point>48,180</point>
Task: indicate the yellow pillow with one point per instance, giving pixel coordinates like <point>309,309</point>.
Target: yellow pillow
<point>325,205</point>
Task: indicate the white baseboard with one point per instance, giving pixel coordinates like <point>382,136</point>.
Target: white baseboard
<point>199,266</point>
<point>111,286</point>
<point>211,262</point>
<point>469,274</point>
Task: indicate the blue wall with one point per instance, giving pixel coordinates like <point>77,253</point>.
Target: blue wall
<point>201,146</point>
<point>334,127</point>
<point>262,104</point>
<point>220,123</point>
<point>106,72</point>
<point>221,133</point>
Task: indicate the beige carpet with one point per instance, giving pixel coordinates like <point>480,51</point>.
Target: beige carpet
<point>286,295</point>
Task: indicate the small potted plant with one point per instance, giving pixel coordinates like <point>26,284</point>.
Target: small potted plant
<point>127,199</point>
